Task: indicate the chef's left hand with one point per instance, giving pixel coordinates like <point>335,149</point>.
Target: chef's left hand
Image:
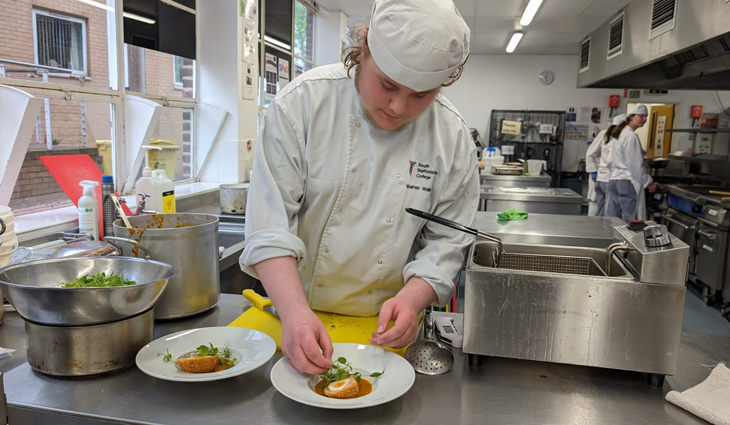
<point>404,329</point>
<point>403,309</point>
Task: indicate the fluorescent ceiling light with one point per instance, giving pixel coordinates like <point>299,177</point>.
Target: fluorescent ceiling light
<point>272,40</point>
<point>530,12</point>
<point>514,41</point>
<point>111,9</point>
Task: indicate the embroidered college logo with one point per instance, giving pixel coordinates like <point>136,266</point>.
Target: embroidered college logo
<point>411,164</point>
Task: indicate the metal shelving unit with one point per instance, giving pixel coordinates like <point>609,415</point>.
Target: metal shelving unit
<point>531,143</point>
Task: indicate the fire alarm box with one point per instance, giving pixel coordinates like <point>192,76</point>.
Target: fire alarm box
<point>613,101</point>
<point>696,111</point>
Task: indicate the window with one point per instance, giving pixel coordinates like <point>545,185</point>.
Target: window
<point>288,45</point>
<point>60,41</point>
<point>177,72</point>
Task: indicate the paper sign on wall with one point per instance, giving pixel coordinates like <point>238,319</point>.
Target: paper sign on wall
<point>511,127</point>
<point>661,125</point>
<point>271,76</point>
<point>576,131</point>
<point>249,92</point>
<point>283,73</point>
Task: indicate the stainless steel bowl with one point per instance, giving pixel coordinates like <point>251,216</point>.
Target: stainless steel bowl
<point>32,288</point>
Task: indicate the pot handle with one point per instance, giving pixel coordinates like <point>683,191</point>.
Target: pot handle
<point>112,239</point>
<point>2,229</point>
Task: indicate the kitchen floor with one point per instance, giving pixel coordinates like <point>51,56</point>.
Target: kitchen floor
<point>701,318</point>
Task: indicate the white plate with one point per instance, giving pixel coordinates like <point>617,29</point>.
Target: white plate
<point>251,348</point>
<point>396,381</point>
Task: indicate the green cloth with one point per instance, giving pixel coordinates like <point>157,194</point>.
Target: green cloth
<point>507,215</point>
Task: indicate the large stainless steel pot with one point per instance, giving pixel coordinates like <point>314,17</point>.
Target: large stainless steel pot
<point>32,289</point>
<point>190,243</point>
<point>233,198</point>
<point>88,350</point>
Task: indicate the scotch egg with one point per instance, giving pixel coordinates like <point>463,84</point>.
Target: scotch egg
<point>347,388</point>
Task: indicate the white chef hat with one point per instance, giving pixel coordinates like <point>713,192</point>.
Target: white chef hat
<point>618,119</point>
<point>638,110</point>
<point>418,43</point>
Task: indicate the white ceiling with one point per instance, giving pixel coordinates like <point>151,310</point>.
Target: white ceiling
<point>557,28</point>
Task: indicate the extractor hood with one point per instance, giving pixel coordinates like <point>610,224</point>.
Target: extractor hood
<point>660,44</point>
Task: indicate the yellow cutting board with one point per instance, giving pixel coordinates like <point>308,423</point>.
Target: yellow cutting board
<point>341,328</point>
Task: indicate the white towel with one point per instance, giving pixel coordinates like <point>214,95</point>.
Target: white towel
<point>6,352</point>
<point>710,400</point>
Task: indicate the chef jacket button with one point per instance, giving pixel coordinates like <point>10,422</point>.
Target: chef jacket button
<point>319,285</point>
<point>370,291</point>
<point>354,170</point>
<point>408,132</point>
<point>398,175</point>
<point>340,210</point>
<point>380,261</point>
<point>358,124</point>
<point>326,250</point>
<point>388,220</point>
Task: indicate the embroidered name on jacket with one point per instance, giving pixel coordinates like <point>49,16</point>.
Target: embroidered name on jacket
<point>423,173</point>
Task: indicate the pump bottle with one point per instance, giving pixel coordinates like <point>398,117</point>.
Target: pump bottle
<point>159,189</point>
<point>88,213</point>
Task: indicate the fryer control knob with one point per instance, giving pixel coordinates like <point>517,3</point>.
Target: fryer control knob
<point>656,235</point>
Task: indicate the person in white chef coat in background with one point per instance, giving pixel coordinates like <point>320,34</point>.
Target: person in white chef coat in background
<point>628,180</point>
<point>342,151</point>
<point>597,167</point>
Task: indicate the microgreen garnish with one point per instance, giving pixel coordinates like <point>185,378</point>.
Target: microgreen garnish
<point>342,370</point>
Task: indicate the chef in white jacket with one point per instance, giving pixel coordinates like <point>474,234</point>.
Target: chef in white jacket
<point>597,167</point>
<point>342,151</point>
<point>628,178</point>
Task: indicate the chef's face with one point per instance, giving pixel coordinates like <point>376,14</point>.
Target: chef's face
<point>637,121</point>
<point>387,104</point>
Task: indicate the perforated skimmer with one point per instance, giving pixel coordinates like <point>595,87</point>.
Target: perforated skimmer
<point>429,356</point>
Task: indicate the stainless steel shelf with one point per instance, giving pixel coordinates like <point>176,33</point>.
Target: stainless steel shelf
<point>699,130</point>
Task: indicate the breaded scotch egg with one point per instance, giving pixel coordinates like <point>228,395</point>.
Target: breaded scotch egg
<point>347,388</point>
<point>197,364</point>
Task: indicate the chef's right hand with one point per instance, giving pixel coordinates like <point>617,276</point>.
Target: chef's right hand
<point>302,336</point>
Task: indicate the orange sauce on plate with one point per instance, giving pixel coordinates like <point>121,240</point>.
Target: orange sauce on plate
<point>364,387</point>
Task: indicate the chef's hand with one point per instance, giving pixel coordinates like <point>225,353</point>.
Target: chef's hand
<point>302,336</point>
<point>404,329</point>
<point>653,187</point>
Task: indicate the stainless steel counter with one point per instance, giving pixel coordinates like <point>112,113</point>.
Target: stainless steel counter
<point>531,199</point>
<point>503,391</point>
<point>551,229</point>
<point>514,181</point>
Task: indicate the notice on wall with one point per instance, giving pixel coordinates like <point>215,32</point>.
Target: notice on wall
<point>249,90</point>
<point>511,127</point>
<point>704,143</point>
<point>596,115</point>
<point>249,44</point>
<point>571,115</point>
<point>270,77</point>
<point>661,124</point>
<point>283,73</point>
<point>576,131</point>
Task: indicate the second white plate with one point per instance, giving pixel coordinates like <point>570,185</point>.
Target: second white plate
<point>251,348</point>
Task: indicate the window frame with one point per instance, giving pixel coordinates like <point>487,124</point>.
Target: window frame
<point>264,43</point>
<point>177,85</point>
<point>84,46</point>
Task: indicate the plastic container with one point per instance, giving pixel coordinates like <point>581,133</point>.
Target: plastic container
<point>159,189</point>
<point>166,158</point>
<point>9,239</point>
<point>105,151</point>
<point>88,209</point>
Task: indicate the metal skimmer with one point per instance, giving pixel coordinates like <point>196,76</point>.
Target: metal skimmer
<point>429,356</point>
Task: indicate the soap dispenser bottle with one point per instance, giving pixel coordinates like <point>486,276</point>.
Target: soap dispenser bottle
<point>159,189</point>
<point>88,209</point>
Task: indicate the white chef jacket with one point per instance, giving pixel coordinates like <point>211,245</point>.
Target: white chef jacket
<point>593,155</point>
<point>605,165</point>
<point>628,160</point>
<point>331,190</point>
<point>628,164</point>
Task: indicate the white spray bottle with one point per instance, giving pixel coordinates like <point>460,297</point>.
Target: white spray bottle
<point>88,209</point>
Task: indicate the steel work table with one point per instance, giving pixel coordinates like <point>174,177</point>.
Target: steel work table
<point>504,391</point>
<point>540,200</point>
<point>489,179</point>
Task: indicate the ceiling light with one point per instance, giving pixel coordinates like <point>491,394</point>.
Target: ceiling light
<point>530,12</point>
<point>276,42</point>
<point>514,41</point>
<point>111,9</point>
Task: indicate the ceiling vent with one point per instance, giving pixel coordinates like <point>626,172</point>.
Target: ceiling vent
<point>585,54</point>
<point>616,36</point>
<point>662,16</point>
